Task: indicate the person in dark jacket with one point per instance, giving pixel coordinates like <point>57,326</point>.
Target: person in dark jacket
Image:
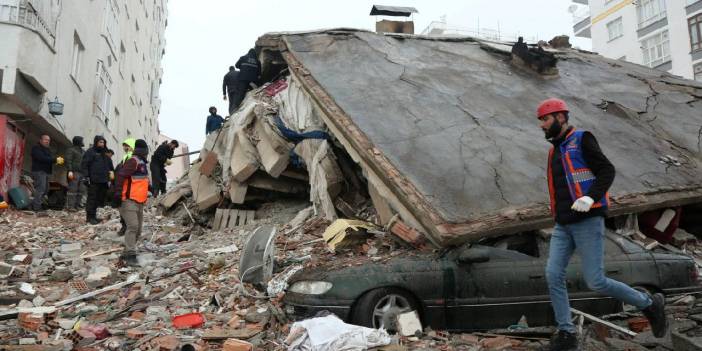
<point>42,163</point>
<point>76,189</point>
<point>97,169</point>
<point>249,73</point>
<point>231,85</point>
<point>163,154</point>
<point>579,175</point>
<point>214,121</point>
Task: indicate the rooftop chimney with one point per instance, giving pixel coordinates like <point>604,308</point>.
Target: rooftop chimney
<point>390,26</point>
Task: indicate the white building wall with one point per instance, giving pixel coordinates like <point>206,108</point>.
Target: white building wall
<point>629,44</point>
<point>132,111</point>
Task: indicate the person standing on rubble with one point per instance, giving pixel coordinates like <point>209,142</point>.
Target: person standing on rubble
<point>42,163</point>
<point>160,159</point>
<point>76,189</point>
<point>249,74</point>
<point>133,185</point>
<point>231,85</point>
<point>579,175</point>
<point>97,170</point>
<point>214,121</point>
<point>128,147</point>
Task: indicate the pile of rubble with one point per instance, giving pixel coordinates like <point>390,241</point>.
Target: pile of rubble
<point>62,289</point>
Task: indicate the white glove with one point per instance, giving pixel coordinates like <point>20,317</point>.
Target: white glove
<point>582,204</point>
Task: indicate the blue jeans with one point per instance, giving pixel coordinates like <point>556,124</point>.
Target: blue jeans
<point>587,238</point>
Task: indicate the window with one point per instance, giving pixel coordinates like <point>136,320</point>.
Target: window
<point>656,49</point>
<point>77,57</point>
<point>698,72</point>
<point>136,24</point>
<point>695,27</point>
<point>615,29</point>
<point>690,2</point>
<point>649,11</point>
<point>112,22</point>
<point>103,94</point>
<point>126,10</point>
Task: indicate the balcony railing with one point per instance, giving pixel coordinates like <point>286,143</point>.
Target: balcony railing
<point>21,13</point>
<point>441,29</point>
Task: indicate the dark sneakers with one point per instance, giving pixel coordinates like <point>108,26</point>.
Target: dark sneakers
<point>129,260</point>
<point>564,341</point>
<point>656,315</point>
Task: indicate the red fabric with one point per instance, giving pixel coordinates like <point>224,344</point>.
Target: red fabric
<point>648,220</point>
<point>551,105</point>
<point>11,155</point>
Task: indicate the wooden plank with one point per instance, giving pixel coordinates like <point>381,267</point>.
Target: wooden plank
<point>381,205</point>
<point>233,218</point>
<point>225,219</point>
<point>217,219</point>
<point>250,216</point>
<point>242,217</point>
<point>604,322</point>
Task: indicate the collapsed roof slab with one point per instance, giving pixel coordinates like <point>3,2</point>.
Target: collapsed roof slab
<point>449,125</point>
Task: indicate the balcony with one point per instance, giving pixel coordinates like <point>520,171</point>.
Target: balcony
<point>21,13</point>
<point>582,23</point>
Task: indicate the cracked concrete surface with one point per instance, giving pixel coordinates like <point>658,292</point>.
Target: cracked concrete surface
<point>457,119</point>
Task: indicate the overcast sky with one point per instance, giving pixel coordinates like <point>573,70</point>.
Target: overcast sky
<point>205,37</point>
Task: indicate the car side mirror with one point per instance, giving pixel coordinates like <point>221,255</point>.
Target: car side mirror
<point>474,255</point>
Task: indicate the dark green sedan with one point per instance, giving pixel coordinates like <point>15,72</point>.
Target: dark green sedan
<point>477,287</point>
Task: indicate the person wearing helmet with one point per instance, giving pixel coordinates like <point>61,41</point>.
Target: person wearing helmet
<point>128,148</point>
<point>579,175</point>
<point>76,189</point>
<point>214,121</point>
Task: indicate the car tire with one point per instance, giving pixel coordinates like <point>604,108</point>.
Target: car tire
<point>379,308</point>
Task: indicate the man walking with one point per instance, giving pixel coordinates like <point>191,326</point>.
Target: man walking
<point>579,175</point>
<point>232,86</point>
<point>214,121</point>
<point>76,189</point>
<point>163,154</point>
<point>133,189</point>
<point>97,169</point>
<point>42,162</point>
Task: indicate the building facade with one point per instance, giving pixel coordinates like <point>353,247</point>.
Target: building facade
<point>663,34</point>
<point>100,58</point>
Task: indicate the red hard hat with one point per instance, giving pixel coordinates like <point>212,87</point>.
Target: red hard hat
<point>551,105</point>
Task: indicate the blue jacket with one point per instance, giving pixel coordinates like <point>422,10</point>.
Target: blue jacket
<point>214,122</point>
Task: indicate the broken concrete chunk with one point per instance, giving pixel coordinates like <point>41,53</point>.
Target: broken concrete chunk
<point>27,289</point>
<point>237,192</point>
<point>274,162</point>
<point>73,248</point>
<point>98,273</point>
<point>344,233</point>
<point>244,160</point>
<point>205,190</point>
<point>408,324</point>
<point>237,345</point>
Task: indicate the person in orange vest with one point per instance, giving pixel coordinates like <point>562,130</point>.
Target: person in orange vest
<point>579,175</point>
<point>132,190</point>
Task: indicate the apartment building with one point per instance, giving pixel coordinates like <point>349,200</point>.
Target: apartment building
<point>100,58</point>
<point>663,34</point>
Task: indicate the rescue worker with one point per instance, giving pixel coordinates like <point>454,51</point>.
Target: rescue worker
<point>97,170</point>
<point>42,163</point>
<point>231,86</point>
<point>76,189</point>
<point>133,182</point>
<point>579,175</point>
<point>128,148</point>
<point>161,156</point>
<point>214,121</point>
<point>249,73</point>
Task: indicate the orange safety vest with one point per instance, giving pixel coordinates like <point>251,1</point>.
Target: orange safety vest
<point>136,187</point>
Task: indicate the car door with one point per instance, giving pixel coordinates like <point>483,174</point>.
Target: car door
<point>485,292</point>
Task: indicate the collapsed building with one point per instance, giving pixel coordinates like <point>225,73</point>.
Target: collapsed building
<point>436,137</point>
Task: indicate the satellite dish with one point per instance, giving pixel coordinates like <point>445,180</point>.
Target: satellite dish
<point>572,8</point>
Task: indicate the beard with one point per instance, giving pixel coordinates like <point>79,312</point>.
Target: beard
<point>554,130</point>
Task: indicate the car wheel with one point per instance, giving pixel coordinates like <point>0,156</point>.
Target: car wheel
<point>379,308</point>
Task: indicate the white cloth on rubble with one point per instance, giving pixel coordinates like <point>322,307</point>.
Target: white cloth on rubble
<point>331,334</point>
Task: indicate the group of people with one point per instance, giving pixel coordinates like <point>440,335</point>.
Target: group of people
<point>126,186</point>
<point>237,83</point>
